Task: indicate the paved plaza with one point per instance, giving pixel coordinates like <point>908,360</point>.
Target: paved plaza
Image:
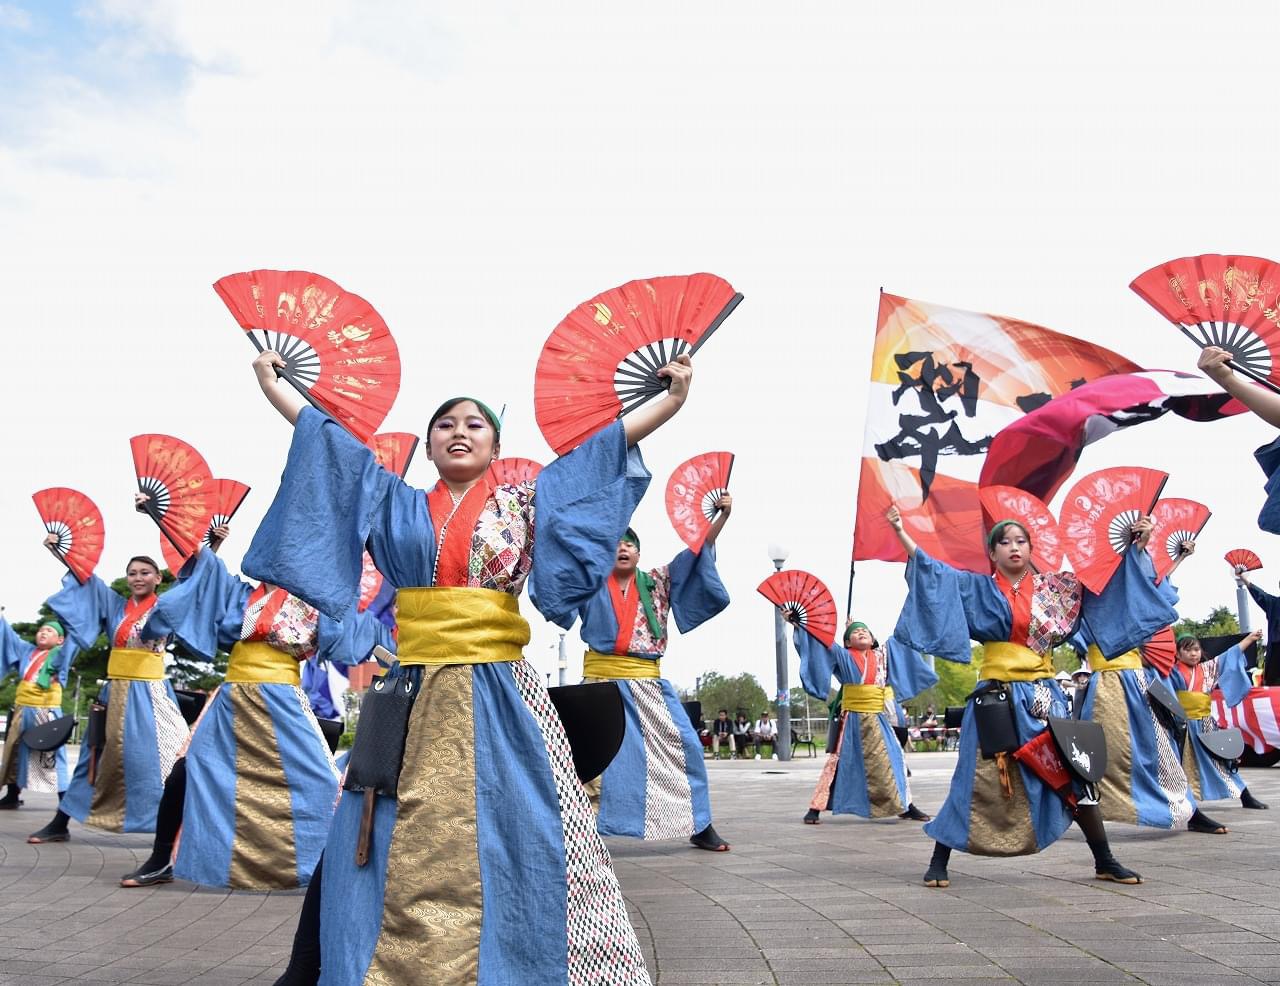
<point>790,905</point>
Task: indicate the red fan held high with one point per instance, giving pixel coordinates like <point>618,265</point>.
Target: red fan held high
<point>228,495</point>
<point>513,471</point>
<point>1161,651</point>
<point>1010,503</point>
<point>1098,515</point>
<point>804,595</point>
<point>177,479</point>
<point>692,492</point>
<point>1242,560</point>
<point>394,450</point>
<point>602,360</point>
<point>1177,521</point>
<point>77,522</point>
<point>1229,302</point>
<point>338,352</point>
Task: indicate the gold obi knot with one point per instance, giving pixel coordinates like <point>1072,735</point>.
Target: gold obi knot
<point>133,664</point>
<point>1197,705</point>
<point>457,625</point>
<point>1130,660</point>
<point>1004,661</point>
<point>33,696</point>
<point>862,698</point>
<point>597,665</point>
<point>255,662</point>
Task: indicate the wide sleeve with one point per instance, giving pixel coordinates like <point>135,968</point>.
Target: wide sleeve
<point>13,649</point>
<point>817,663</point>
<point>65,657</point>
<point>205,610</point>
<point>1233,676</point>
<point>934,617</point>
<point>583,502</point>
<point>1168,591</point>
<point>1130,609</point>
<point>1265,600</point>
<point>697,594</point>
<point>907,672</point>
<point>1268,458</point>
<point>312,540</point>
<point>352,640</point>
<point>87,610</point>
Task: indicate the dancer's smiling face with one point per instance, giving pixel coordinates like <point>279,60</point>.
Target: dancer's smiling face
<point>142,578</point>
<point>462,442</point>
<point>1011,550</point>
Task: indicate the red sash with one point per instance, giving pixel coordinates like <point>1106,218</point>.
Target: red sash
<point>133,612</point>
<point>624,608</point>
<point>262,625</point>
<point>863,660</point>
<point>1020,603</point>
<point>455,526</point>
<point>1194,676</point>
<point>37,662</point>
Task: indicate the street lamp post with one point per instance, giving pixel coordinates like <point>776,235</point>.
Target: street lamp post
<point>778,555</point>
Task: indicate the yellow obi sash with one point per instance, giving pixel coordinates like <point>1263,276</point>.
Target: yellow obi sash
<point>457,625</point>
<point>1130,660</point>
<point>255,662</point>
<point>597,665</point>
<point>1196,705</point>
<point>34,697</point>
<point>1003,661</point>
<point>863,698</point>
<point>132,664</point>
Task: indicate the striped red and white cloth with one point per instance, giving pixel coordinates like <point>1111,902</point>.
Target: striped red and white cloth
<point>1258,717</point>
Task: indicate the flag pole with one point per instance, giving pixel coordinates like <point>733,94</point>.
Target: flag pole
<point>848,603</point>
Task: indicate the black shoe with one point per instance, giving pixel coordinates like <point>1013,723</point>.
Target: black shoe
<point>710,840</point>
<point>1200,822</point>
<point>915,814</point>
<point>811,817</point>
<point>1247,800</point>
<point>1116,873</point>
<point>936,876</point>
<point>142,877</point>
<point>7,804</point>
<point>49,834</point>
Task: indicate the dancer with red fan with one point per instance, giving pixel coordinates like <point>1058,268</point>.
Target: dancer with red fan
<point>256,761</point>
<point>656,786</point>
<point>865,773</point>
<point>118,788</point>
<point>42,671</point>
<point>995,807</point>
<point>486,824</point>
<point>1270,605</point>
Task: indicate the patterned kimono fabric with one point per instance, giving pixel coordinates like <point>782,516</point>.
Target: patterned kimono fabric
<point>865,774</point>
<point>1209,778</point>
<point>486,868</point>
<point>946,608</point>
<point>33,706</point>
<point>1144,783</point>
<point>145,730</point>
<point>656,787</point>
<point>261,782</point>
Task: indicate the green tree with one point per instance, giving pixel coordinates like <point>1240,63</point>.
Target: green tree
<point>741,693</point>
<point>1220,622</point>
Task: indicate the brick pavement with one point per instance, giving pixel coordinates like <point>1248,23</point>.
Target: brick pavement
<point>790,905</point>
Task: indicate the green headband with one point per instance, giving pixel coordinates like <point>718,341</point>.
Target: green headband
<point>1186,636</point>
<point>485,409</point>
<point>55,625</point>
<point>848,631</point>
<point>631,536</point>
<point>998,530</point>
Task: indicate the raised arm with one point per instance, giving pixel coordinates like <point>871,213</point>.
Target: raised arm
<point>282,397</point>
<point>1262,402</point>
<point>723,507</point>
<point>1186,550</point>
<point>645,420</point>
<point>895,521</point>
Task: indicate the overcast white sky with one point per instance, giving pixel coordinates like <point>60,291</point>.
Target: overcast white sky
<point>475,170</point>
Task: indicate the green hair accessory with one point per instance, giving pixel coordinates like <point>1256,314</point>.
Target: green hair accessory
<point>55,625</point>
<point>998,531</point>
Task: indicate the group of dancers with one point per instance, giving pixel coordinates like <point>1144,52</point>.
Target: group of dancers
<point>463,843</point>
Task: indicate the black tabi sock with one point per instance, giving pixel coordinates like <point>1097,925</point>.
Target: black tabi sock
<point>1249,801</point>
<point>938,864</point>
<point>59,822</point>
<point>11,793</point>
<point>304,960</point>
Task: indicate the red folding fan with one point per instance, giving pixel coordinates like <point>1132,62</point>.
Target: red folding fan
<point>228,495</point>
<point>1160,651</point>
<point>394,450</point>
<point>692,492</point>
<point>78,523</point>
<point>803,594</point>
<point>1097,516</point>
<point>183,494</point>
<point>370,583</point>
<point>1177,521</point>
<point>602,360</point>
<point>513,471</point>
<point>338,352</point>
<point>1229,302</point>
<point>1242,560</point>
<point>1010,503</point>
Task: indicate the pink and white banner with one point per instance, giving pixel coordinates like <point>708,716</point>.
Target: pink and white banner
<point>1258,717</point>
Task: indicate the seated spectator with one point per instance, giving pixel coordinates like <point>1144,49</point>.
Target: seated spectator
<point>721,731</point>
<point>766,732</point>
<point>742,736</point>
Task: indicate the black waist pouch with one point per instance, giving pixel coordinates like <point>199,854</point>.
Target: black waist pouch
<point>95,733</point>
<point>993,718</point>
<point>378,752</point>
<point>332,730</point>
